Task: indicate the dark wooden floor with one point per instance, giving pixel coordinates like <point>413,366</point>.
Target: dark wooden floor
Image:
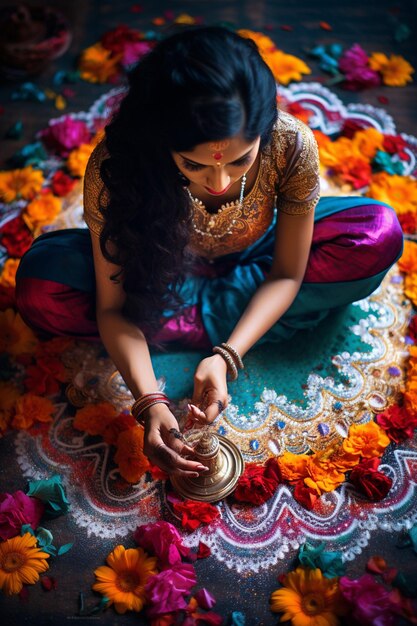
<point>370,23</point>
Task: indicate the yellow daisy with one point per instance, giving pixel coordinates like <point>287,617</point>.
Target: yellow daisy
<point>24,183</point>
<point>123,580</point>
<point>308,599</point>
<point>20,562</point>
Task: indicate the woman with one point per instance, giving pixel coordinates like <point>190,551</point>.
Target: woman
<point>184,244</point>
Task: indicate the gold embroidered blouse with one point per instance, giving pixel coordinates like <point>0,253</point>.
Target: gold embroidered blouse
<point>288,178</point>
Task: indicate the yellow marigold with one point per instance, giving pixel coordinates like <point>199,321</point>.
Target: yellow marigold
<point>333,153</point>
<point>367,440</point>
<point>8,273</point>
<point>78,159</point>
<point>124,577</point>
<point>24,183</point>
<point>264,43</point>
<point>400,192</point>
<point>285,67</point>
<point>31,409</point>
<point>395,71</point>
<point>322,474</point>
<point>20,562</point>
<point>292,466</point>
<point>410,287</point>
<point>97,64</point>
<point>15,337</point>
<point>368,142</point>
<point>9,393</point>
<point>42,211</point>
<point>94,418</point>
<point>308,599</point>
<point>129,456</point>
<point>408,261</point>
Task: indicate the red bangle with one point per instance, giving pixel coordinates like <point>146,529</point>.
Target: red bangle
<point>145,401</point>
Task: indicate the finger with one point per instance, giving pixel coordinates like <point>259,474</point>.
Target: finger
<point>197,414</point>
<point>170,461</point>
<point>213,410</point>
<point>176,441</point>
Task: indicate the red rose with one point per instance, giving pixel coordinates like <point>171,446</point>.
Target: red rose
<point>366,479</point>
<point>17,509</point>
<point>258,483</point>
<point>16,237</point>
<point>195,513</point>
<point>395,144</point>
<point>62,183</point>
<point>45,376</point>
<point>306,496</point>
<point>397,422</point>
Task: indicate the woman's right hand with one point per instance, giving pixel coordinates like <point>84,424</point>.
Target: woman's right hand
<point>164,445</point>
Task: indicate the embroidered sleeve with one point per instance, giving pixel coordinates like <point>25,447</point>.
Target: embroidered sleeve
<point>95,193</point>
<point>297,156</point>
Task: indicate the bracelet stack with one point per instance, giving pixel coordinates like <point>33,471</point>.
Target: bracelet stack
<point>144,402</point>
<point>232,358</point>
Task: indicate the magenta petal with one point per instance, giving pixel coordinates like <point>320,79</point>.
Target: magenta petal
<point>205,599</point>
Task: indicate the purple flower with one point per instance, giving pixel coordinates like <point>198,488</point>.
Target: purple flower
<point>163,540</point>
<point>354,65</point>
<point>166,590</point>
<point>65,135</point>
<point>17,509</point>
<point>370,602</point>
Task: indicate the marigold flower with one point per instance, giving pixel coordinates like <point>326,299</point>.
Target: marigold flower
<point>78,159</point>
<point>333,153</point>
<point>42,211</point>
<point>292,466</point>
<point>8,273</point>
<point>322,475</point>
<point>367,440</point>
<point>98,65</point>
<point>408,260</point>
<point>24,183</point>
<point>264,43</point>
<point>356,172</point>
<point>308,599</point>
<point>398,191</point>
<point>123,580</point>
<point>395,70</point>
<point>368,142</point>
<point>285,67</point>
<point>129,456</point>
<point>410,287</point>
<point>15,337</point>
<point>31,409</point>
<point>93,418</point>
<point>20,562</point>
<point>321,138</point>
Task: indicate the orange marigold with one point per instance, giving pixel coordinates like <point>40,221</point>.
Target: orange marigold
<point>410,287</point>
<point>408,261</point>
<point>285,67</point>
<point>293,466</point>
<point>398,191</point>
<point>9,393</point>
<point>129,456</point>
<point>367,440</point>
<point>94,418</point>
<point>42,211</point>
<point>78,159</point>
<point>98,65</point>
<point>264,43</point>
<point>395,70</point>
<point>322,474</point>
<point>8,273</point>
<point>332,153</point>
<point>31,409</point>
<point>368,142</point>
<point>24,183</point>
<point>321,138</point>
<point>15,337</point>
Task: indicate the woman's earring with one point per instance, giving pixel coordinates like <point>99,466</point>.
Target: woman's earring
<point>183,179</point>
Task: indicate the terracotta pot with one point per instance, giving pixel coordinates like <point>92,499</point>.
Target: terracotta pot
<point>30,38</point>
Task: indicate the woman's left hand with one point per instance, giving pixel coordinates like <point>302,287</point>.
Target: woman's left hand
<point>210,389</point>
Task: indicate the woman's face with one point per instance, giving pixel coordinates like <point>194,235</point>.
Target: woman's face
<point>216,165</point>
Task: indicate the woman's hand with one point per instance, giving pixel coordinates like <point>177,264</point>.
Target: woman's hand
<point>210,389</point>
<point>164,445</point>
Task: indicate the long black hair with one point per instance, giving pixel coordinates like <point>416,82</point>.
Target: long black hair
<point>202,84</point>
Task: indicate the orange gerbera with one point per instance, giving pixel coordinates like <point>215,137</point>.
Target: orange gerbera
<point>264,43</point>
<point>293,466</point>
<point>15,337</point>
<point>78,159</point>
<point>31,409</point>
<point>333,153</point>
<point>367,440</point>
<point>8,273</point>
<point>123,581</point>
<point>42,211</point>
<point>98,65</point>
<point>93,418</point>
<point>395,71</point>
<point>9,393</point>
<point>20,562</point>
<point>24,183</point>
<point>308,599</point>
<point>129,456</point>
<point>408,261</point>
<point>368,142</point>
<point>398,191</point>
<point>285,67</point>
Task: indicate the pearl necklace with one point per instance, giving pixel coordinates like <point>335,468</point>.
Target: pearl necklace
<point>212,221</point>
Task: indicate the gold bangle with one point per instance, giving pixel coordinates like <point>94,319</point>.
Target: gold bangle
<point>235,354</point>
<point>231,366</point>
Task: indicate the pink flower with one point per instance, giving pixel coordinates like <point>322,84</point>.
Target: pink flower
<point>133,51</point>
<point>370,602</point>
<point>166,590</point>
<point>17,509</point>
<point>62,136</point>
<point>163,540</point>
<point>205,599</point>
<point>354,65</point>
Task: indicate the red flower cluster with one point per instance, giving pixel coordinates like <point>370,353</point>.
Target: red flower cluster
<point>194,513</point>
<point>367,480</point>
<point>258,483</point>
<point>397,422</point>
<point>16,237</point>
